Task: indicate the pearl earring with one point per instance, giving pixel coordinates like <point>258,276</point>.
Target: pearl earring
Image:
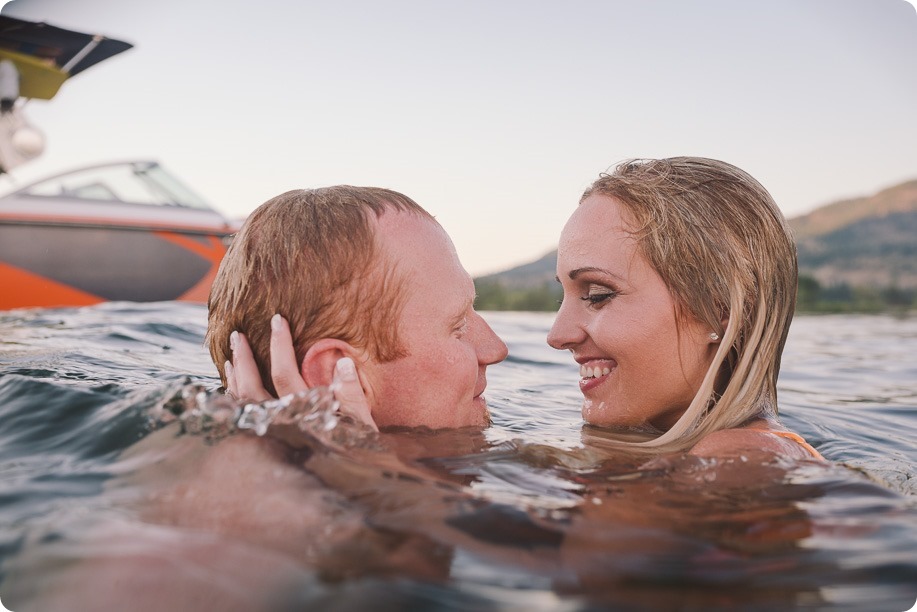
<point>714,336</point>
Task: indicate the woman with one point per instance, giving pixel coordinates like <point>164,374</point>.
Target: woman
<point>679,279</point>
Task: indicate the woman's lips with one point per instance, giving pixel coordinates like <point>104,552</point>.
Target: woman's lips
<point>594,372</point>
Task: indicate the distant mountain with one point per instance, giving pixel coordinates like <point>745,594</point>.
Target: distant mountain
<point>861,242</point>
<point>532,274</point>
<point>864,242</point>
<point>826,219</point>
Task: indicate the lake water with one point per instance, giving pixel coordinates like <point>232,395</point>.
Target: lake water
<point>526,515</point>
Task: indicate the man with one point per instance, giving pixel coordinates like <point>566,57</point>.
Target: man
<point>366,277</point>
<point>361,274</point>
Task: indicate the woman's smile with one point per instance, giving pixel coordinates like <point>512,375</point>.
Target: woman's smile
<point>594,372</point>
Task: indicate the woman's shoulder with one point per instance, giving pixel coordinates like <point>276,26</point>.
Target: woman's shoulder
<point>757,438</point>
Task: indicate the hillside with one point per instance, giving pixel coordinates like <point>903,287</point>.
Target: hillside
<point>826,219</point>
<point>852,250</point>
<point>866,242</point>
<point>532,274</point>
<point>530,286</point>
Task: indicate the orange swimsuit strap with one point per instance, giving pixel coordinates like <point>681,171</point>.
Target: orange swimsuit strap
<point>789,435</point>
<point>795,437</point>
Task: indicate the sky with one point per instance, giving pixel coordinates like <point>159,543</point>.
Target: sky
<point>494,115</point>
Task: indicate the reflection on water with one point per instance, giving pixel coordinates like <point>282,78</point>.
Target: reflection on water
<point>120,466</point>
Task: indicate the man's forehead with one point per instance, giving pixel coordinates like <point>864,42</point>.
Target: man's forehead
<point>414,238</point>
<point>420,248</point>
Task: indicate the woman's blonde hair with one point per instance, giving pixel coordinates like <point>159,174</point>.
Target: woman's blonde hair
<point>725,252</point>
<point>312,256</point>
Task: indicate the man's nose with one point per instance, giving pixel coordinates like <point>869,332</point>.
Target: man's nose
<point>490,348</point>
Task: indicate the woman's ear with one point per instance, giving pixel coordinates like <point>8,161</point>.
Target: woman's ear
<point>318,364</point>
<point>724,321</point>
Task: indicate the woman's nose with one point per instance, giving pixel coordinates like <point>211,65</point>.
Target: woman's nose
<point>564,333</point>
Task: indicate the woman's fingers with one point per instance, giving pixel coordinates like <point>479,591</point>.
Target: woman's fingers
<point>349,393</point>
<point>230,374</point>
<point>284,369</point>
<point>243,378</point>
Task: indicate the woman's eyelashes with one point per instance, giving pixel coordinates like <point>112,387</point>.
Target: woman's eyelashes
<point>598,295</point>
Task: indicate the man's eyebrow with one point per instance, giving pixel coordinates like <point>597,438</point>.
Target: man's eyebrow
<point>466,306</point>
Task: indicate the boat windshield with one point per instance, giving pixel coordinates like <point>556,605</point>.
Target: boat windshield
<point>134,183</point>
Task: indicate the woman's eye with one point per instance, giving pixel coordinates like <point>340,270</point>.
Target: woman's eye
<point>461,328</point>
<point>599,297</point>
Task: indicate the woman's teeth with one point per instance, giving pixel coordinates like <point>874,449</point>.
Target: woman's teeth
<point>587,372</point>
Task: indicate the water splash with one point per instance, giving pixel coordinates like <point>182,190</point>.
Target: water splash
<point>309,415</point>
<point>313,410</point>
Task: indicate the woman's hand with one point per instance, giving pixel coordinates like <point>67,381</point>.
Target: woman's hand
<point>243,380</point>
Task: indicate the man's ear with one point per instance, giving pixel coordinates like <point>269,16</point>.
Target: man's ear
<point>318,364</point>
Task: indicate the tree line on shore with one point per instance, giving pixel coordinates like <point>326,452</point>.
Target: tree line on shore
<point>812,297</point>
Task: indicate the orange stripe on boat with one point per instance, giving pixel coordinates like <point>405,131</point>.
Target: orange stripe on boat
<point>22,289</point>
<point>212,252</point>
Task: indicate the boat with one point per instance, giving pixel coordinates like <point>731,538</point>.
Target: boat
<point>36,59</point>
<point>122,231</point>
